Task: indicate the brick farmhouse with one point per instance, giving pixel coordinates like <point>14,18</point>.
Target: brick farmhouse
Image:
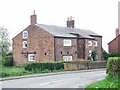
<point>49,43</point>
<point>114,45</point>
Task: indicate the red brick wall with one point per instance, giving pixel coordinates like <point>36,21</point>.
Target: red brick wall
<point>119,44</point>
<point>64,49</point>
<point>38,41</point>
<point>98,49</point>
<point>114,46</point>
<point>81,48</point>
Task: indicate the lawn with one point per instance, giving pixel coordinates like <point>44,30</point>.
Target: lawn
<point>109,83</point>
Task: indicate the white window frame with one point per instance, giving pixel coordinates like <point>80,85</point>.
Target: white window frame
<point>24,44</point>
<point>67,42</point>
<point>31,57</point>
<point>95,43</point>
<point>89,43</point>
<point>25,34</point>
<point>67,58</point>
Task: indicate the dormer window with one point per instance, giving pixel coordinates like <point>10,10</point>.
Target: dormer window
<point>89,43</point>
<point>25,34</point>
<point>95,43</point>
<point>24,44</point>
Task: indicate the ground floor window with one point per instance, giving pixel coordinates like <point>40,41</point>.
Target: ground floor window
<point>31,57</point>
<point>67,58</point>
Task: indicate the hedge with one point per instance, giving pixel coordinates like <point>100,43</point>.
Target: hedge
<point>44,65</point>
<point>113,66</point>
<point>114,54</point>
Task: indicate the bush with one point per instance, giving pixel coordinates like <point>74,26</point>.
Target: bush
<point>105,55</point>
<point>113,66</point>
<point>7,60</point>
<point>44,66</point>
<point>114,54</point>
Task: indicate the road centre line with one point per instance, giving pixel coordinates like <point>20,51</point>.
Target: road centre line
<point>56,81</point>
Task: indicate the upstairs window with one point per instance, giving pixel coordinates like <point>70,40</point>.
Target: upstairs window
<point>24,44</point>
<point>95,43</point>
<point>31,57</point>
<point>67,42</point>
<point>89,43</point>
<point>25,34</point>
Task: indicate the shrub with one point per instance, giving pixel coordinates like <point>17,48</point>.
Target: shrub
<point>113,66</point>
<point>114,54</point>
<point>7,60</point>
<point>105,55</point>
<point>44,66</point>
<point>93,55</point>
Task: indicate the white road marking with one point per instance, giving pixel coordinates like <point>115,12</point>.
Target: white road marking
<point>56,81</point>
<point>45,83</point>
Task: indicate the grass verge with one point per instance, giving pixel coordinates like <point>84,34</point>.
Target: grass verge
<point>109,83</point>
<point>19,71</point>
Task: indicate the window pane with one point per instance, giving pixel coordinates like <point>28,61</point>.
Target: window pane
<point>31,57</point>
<point>95,43</point>
<point>66,42</point>
<point>67,58</point>
<point>25,34</point>
<point>89,43</point>
<point>24,44</point>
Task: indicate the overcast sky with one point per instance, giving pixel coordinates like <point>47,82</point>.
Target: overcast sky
<point>100,16</point>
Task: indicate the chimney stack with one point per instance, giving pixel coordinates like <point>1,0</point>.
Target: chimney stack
<point>33,18</point>
<point>70,22</point>
<point>117,32</point>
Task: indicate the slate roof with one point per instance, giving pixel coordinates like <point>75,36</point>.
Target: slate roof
<point>66,32</point>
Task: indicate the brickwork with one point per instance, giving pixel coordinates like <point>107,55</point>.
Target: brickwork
<point>114,45</point>
<point>97,49</point>
<point>81,48</point>
<point>39,42</point>
<point>61,50</point>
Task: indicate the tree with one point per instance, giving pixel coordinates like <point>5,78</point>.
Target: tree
<point>4,41</point>
<point>93,55</point>
<point>105,55</point>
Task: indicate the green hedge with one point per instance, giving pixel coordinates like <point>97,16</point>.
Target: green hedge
<point>114,54</point>
<point>44,66</point>
<point>113,66</point>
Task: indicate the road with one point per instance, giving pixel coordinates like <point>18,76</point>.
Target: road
<point>67,80</point>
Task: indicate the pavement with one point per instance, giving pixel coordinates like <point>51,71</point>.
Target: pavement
<point>49,74</point>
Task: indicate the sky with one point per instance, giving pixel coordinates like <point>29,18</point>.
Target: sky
<point>100,16</point>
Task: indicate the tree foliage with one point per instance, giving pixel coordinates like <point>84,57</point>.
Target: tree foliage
<point>93,55</point>
<point>114,54</point>
<point>105,55</point>
<point>4,41</point>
